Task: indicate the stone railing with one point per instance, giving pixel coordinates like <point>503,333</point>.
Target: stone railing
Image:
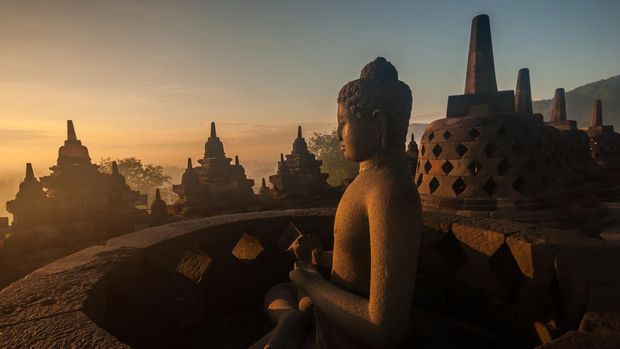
<point>201,282</point>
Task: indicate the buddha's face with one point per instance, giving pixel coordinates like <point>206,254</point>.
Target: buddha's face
<point>359,137</point>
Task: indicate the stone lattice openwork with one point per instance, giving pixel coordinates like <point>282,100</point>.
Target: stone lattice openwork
<point>491,156</point>
<point>604,143</point>
<point>586,181</point>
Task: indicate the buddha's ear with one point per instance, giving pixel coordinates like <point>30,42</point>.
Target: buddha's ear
<point>381,118</point>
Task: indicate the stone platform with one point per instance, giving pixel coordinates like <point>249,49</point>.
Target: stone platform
<point>199,283</point>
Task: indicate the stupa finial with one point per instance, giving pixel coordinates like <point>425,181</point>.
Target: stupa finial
<point>189,164</point>
<point>480,66</point>
<point>558,107</point>
<point>71,136</point>
<point>299,132</point>
<point>29,171</point>
<point>596,118</point>
<point>213,132</point>
<point>523,93</point>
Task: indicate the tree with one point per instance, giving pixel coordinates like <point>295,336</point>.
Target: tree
<point>144,178</point>
<point>327,148</point>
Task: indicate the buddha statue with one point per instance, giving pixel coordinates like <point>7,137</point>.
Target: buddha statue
<point>367,300</point>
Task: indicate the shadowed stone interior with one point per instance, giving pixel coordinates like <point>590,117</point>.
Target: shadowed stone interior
<point>180,285</point>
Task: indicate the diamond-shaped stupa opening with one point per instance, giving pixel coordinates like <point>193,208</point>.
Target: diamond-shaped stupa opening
<point>461,150</point>
<point>459,186</point>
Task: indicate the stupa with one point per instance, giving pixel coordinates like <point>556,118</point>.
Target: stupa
<point>299,176</point>
<point>490,155</point>
<point>604,143</point>
<point>576,155</point>
<point>265,192</point>
<point>214,186</point>
<point>30,205</point>
<point>120,194</point>
<point>412,154</point>
<point>78,189</point>
<point>563,171</point>
<point>159,209</point>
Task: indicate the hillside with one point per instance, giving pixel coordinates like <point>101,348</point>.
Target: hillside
<point>579,102</point>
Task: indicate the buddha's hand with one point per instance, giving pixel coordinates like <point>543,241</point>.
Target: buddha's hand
<point>305,277</point>
<point>303,247</point>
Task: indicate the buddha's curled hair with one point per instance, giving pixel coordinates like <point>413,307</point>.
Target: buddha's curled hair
<point>379,88</point>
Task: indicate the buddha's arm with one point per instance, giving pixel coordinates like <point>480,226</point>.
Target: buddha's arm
<point>382,319</point>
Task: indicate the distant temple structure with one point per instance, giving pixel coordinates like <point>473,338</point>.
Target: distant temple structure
<point>412,154</point>
<point>575,145</point>
<point>76,191</point>
<point>265,193</point>
<point>604,143</point>
<point>159,210</point>
<point>216,185</point>
<point>299,176</point>
<point>492,156</point>
<point>30,206</point>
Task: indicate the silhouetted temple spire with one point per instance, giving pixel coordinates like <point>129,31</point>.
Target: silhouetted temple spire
<point>558,106</point>
<point>263,183</point>
<point>215,184</point>
<point>281,158</point>
<point>299,145</point>
<point>31,203</point>
<point>71,136</point>
<point>72,152</point>
<point>114,168</point>
<point>596,118</point>
<point>159,208</point>
<point>523,93</point>
<point>214,147</point>
<point>213,131</point>
<point>480,66</point>
<point>29,172</point>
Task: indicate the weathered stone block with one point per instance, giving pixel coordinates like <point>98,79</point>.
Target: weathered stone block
<point>247,248</point>
<point>194,264</point>
<point>583,340</point>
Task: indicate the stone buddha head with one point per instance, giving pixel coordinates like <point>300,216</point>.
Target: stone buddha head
<point>373,112</point>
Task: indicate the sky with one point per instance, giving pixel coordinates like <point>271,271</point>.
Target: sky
<point>146,78</point>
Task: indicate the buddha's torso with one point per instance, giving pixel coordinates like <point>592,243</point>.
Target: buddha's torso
<point>351,259</point>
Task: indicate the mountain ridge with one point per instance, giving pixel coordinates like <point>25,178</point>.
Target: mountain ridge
<point>579,102</point>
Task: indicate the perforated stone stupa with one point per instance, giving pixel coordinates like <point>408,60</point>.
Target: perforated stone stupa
<point>576,154</point>
<point>604,143</point>
<point>214,186</point>
<point>491,155</point>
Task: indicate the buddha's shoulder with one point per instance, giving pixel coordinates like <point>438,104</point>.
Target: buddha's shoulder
<point>388,183</point>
